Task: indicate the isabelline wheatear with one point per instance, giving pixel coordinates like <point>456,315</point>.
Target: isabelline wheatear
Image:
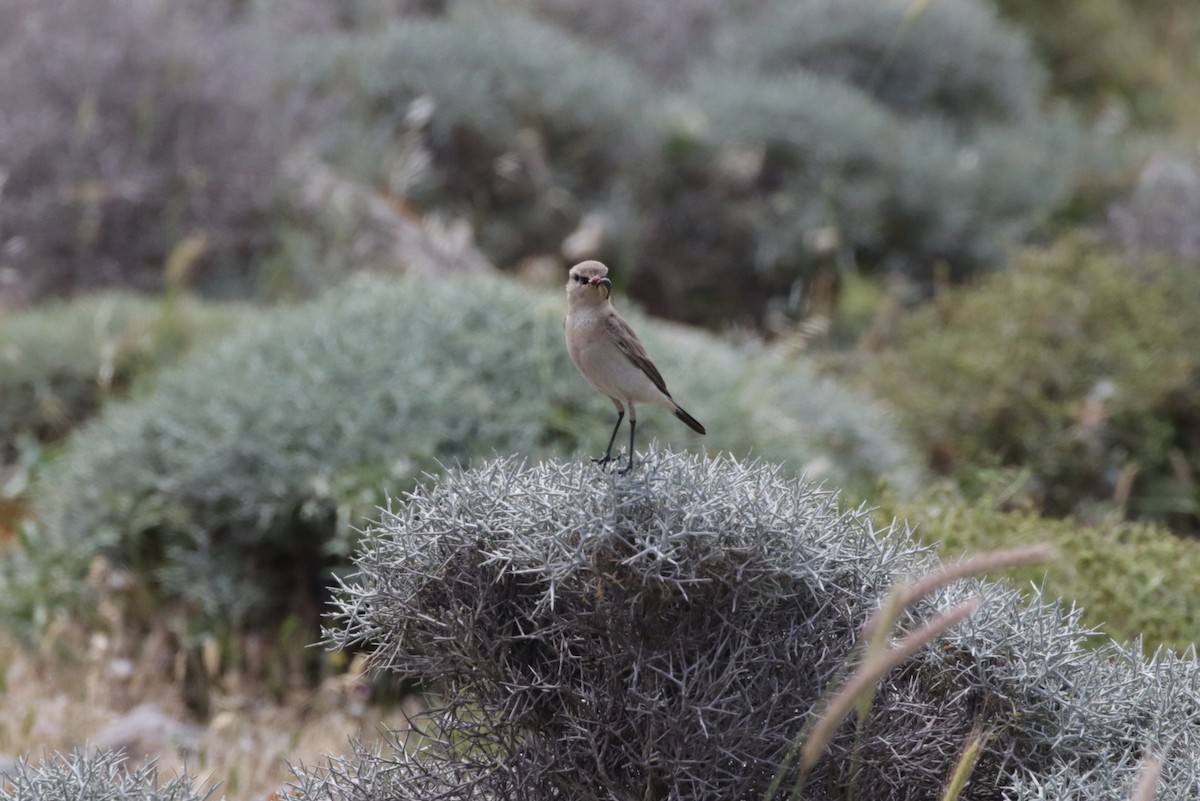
<point>610,356</point>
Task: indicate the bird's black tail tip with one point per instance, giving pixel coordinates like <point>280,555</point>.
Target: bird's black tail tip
<point>692,422</point>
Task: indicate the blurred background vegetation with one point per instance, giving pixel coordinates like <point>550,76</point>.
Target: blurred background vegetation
<point>943,256</point>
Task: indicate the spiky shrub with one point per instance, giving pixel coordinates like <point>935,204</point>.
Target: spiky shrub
<point>59,362</point>
<point>99,776</point>
<point>521,129</point>
<point>128,126</point>
<point>667,635</point>
<point>235,485</point>
<point>1078,366</point>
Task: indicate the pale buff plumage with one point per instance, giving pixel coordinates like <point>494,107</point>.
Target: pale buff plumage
<point>609,354</point>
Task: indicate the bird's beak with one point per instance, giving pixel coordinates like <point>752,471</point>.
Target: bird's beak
<point>598,280</point>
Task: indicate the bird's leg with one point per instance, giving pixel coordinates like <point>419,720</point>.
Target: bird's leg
<point>608,453</point>
<point>632,428</point>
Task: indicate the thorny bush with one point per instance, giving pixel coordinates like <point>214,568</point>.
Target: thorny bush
<point>666,636</point>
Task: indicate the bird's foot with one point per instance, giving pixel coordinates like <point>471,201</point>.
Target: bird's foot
<point>603,462</point>
<point>627,468</point>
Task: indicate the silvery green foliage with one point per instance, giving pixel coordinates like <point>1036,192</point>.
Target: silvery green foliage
<point>665,38</point>
<point>957,60</point>
<point>235,484</point>
<point>900,192</point>
<point>59,360</point>
<point>536,75</point>
<point>666,635</point>
<point>523,128</point>
<point>62,360</point>
<point>849,133</point>
<point>100,776</point>
<point>912,142</point>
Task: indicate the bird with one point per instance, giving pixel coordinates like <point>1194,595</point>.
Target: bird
<point>610,356</point>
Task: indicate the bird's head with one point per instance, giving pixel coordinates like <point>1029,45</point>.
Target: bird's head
<point>588,282</point>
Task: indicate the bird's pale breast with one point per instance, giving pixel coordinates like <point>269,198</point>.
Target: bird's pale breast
<point>604,365</point>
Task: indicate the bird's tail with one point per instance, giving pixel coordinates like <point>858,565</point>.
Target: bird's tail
<point>692,422</point>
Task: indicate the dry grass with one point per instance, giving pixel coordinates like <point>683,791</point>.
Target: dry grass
<point>52,702</point>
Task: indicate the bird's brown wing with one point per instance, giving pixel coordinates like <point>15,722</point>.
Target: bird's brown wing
<point>632,347</point>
